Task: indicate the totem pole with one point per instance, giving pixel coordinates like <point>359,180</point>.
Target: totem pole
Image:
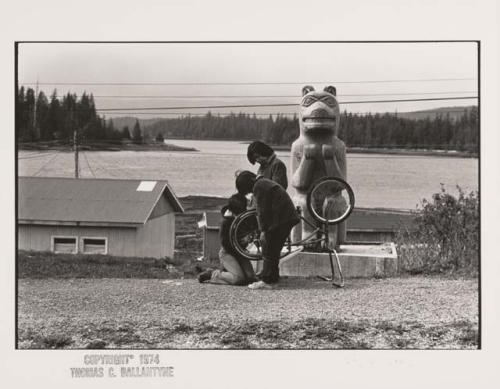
<point>317,153</point>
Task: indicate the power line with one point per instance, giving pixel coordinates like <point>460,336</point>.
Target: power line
<point>113,166</point>
<point>43,142</point>
<point>105,169</point>
<point>263,96</point>
<point>88,164</point>
<point>248,83</point>
<point>62,143</point>
<point>215,114</point>
<point>212,113</point>
<point>407,100</point>
<point>281,105</point>
<point>46,163</point>
<point>100,166</point>
<point>36,156</point>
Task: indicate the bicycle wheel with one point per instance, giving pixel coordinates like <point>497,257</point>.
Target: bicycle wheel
<point>245,235</point>
<point>330,200</point>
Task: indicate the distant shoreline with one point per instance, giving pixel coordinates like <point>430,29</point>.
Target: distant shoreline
<point>433,153</point>
<point>157,146</point>
<point>416,152</point>
<point>362,150</point>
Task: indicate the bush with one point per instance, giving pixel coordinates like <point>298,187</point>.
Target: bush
<point>444,237</point>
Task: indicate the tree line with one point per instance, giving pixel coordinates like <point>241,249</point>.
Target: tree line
<point>390,131</point>
<point>372,130</point>
<point>56,119</point>
<point>45,119</point>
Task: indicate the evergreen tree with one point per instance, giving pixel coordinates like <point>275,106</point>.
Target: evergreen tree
<point>21,117</point>
<point>30,115</point>
<point>159,138</point>
<point>125,133</point>
<point>54,119</point>
<point>42,115</point>
<point>137,133</point>
<point>110,129</point>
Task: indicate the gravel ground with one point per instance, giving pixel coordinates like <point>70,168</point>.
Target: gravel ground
<point>414,312</point>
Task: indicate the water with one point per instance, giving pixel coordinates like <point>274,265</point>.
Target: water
<point>378,180</point>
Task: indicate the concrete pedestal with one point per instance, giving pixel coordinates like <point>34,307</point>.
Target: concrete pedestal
<point>356,260</point>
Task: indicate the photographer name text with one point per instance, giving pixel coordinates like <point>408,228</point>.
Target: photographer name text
<point>122,366</point>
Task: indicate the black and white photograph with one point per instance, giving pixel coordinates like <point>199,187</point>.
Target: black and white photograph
<point>249,197</point>
<point>170,198</point>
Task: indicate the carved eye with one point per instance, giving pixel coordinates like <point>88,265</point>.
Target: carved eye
<point>330,101</point>
<point>308,101</point>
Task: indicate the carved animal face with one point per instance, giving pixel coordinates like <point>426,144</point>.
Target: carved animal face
<point>319,110</point>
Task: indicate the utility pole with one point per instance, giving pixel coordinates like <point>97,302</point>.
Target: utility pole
<point>75,142</point>
<point>35,129</point>
<point>75,146</point>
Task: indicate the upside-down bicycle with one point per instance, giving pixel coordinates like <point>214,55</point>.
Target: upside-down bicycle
<point>330,201</point>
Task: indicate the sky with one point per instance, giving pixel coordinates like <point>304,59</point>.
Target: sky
<point>175,75</point>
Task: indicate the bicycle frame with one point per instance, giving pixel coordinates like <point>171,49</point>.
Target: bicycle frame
<point>318,237</point>
<point>323,231</point>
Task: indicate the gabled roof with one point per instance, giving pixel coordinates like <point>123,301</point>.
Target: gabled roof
<point>88,200</point>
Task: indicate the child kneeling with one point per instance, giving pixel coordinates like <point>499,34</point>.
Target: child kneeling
<point>236,269</point>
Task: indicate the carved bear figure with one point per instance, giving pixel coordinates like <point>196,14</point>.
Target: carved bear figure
<point>317,153</point>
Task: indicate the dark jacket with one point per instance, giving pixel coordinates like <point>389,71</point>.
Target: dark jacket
<point>236,204</point>
<point>274,206</point>
<point>274,169</point>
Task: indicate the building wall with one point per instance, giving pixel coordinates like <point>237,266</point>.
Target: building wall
<point>370,236</point>
<point>154,239</point>
<point>39,237</point>
<point>211,244</point>
<point>161,208</point>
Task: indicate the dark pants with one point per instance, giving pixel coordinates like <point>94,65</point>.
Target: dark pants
<point>275,240</point>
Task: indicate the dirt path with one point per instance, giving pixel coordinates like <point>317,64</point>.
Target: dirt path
<point>416,312</point>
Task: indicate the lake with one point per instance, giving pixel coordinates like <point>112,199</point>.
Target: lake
<point>378,180</point>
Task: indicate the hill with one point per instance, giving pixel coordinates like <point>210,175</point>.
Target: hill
<point>454,112</point>
<point>120,122</point>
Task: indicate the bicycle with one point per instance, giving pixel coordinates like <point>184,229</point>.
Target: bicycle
<point>330,201</point>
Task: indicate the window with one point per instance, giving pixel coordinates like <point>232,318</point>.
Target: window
<point>91,245</point>
<point>64,244</point>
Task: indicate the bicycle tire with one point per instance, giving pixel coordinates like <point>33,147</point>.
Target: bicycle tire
<point>244,235</point>
<point>332,181</point>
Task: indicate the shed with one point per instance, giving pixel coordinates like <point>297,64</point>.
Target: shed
<point>131,218</point>
<point>363,226</point>
<point>209,224</point>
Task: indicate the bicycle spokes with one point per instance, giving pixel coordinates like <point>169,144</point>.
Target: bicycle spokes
<point>330,200</point>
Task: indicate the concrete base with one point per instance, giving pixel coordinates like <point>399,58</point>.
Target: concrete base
<point>356,260</point>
